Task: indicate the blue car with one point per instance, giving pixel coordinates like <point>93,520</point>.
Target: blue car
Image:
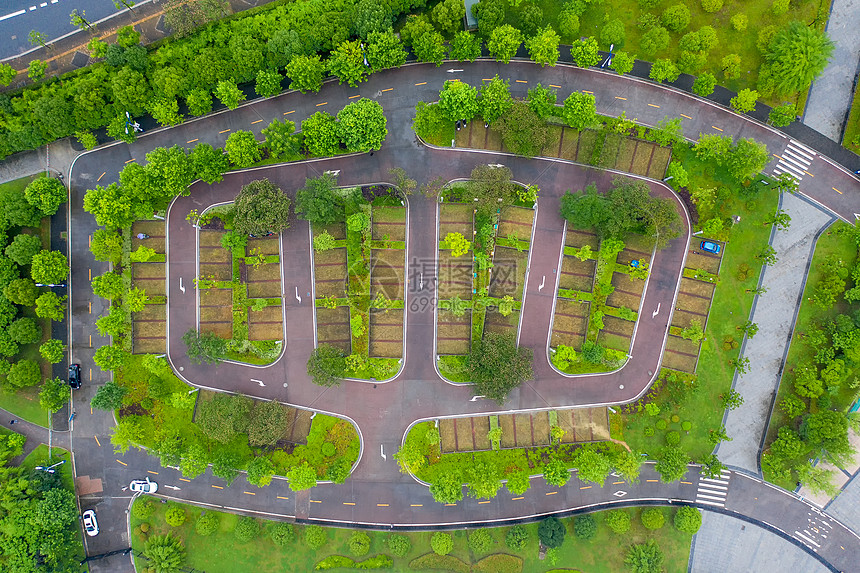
<point>710,247</point>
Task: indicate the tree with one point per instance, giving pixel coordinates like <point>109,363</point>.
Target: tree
<point>206,524</point>
<point>585,527</point>
<point>317,201</point>
<point>593,466</point>
<point>618,521</point>
<point>229,94</point>
<point>465,47</point>
<point>731,66</point>
<point>346,62</point>
<point>676,17</point>
<point>22,374</point>
<point>106,245</point>
<point>52,351</point>
<point>484,481</point>
<point>442,543</point>
<point>204,347</point>
<point>165,111</point>
<point>164,553</point>
<point>551,532</point>
<point>654,40</point>
<point>306,73</point>
<point>326,365</point>
<point>495,99</point>
<point>644,558</point>
<point>747,158</point>
<point>315,536</point>
<point>622,63</point>
<point>21,291</point>
<point>54,395</point>
<point>261,207</point>
<point>108,285</point>
<point>246,529</point>
<point>22,248</point>
<point>663,70</point>
<point>49,267</point>
<point>457,243</point>
<point>568,22</point>
<point>209,163</point>
<point>447,488</point>
<point>384,50</point>
<point>827,431</point>
<point>36,70</point>
<point>543,46</point>
<point>51,306</point>
<point>268,83</point>
<point>818,479</point>
<point>796,55</point>
<point>361,125</point>
<point>556,473</point>
<point>585,52</point>
<point>302,477</point>
<point>782,115</point>
<point>704,84</point>
<point>399,545</point>
<point>199,102</point>
<point>25,331</point>
<point>497,366</point>
<point>542,100</point>
<point>7,74</point>
<point>109,357</point>
<point>688,520</point>
<point>260,471</point>
<point>504,42</point>
<point>671,463</point>
<point>458,100</point>
<point>267,423</point>
<point>46,194</point>
<point>321,134</point>
<point>242,148</point>
<point>744,102</point>
<point>429,47</point>
<point>653,518</point>
<point>580,110</point>
<point>109,396</point>
<point>282,534</point>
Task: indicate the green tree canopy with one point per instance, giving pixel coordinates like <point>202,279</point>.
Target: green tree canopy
<point>261,207</point>
<point>497,366</point>
<point>242,148</point>
<point>543,47</point>
<point>321,134</point>
<point>495,99</point>
<point>22,248</point>
<point>361,125</point>
<point>346,62</point>
<point>504,42</point>
<point>326,365</point>
<point>795,56</point>
<point>306,73</point>
<point>458,100</point>
<point>46,194</point>
<point>580,110</point>
<point>318,201</point>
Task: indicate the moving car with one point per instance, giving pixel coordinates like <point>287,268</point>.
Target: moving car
<point>710,247</point>
<point>143,486</point>
<point>75,376</point>
<point>91,526</point>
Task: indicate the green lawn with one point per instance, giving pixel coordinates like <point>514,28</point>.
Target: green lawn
<point>831,242</point>
<point>221,552</point>
<point>39,457</point>
<point>852,126</point>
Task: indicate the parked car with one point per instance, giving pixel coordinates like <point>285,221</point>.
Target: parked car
<point>91,526</point>
<point>143,486</point>
<point>75,376</point>
<point>710,247</point>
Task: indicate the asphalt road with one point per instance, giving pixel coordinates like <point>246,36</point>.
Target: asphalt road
<point>387,497</point>
<point>50,17</point>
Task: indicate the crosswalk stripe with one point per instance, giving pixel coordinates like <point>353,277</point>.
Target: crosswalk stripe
<point>799,145</point>
<point>709,502</point>
<point>715,497</point>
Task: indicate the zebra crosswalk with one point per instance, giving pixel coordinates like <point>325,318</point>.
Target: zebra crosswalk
<point>795,160</point>
<point>712,491</point>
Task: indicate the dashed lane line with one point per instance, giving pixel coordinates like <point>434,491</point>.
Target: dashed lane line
<point>217,487</point>
<point>381,505</point>
<point>152,472</point>
<point>416,505</point>
<point>193,140</point>
<point>322,104</point>
<point>421,84</point>
<point>653,105</point>
<point>482,502</point>
<point>583,487</point>
<point>289,112</point>
<point>349,503</point>
<point>123,463</point>
<point>258,121</point>
<point>183,479</point>
<point>554,86</point>
<point>517,498</point>
<point>355,96</point>
<point>837,190</point>
<point>717,128</point>
<point>621,98</point>
<point>316,501</point>
<point>386,90</point>
<point>97,440</point>
<point>100,176</point>
<point>224,130</point>
<point>687,116</point>
<point>281,497</point>
<point>521,81</point>
<point>249,492</point>
<point>130,160</point>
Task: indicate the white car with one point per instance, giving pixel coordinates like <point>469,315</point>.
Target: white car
<point>91,526</point>
<point>143,486</point>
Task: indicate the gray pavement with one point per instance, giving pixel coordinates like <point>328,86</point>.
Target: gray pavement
<point>725,543</point>
<point>831,94</point>
<point>774,312</point>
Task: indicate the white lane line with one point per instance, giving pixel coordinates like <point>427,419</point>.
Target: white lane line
<point>799,535</point>
<point>12,15</point>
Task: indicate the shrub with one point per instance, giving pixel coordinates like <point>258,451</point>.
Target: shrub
<point>315,536</point>
<point>653,518</point>
<point>673,438</point>
<point>780,7</point>
<point>649,431</point>
<point>516,537</point>
<point>688,520</point>
<point>711,6</point>
<point>359,543</point>
<point>441,543</point>
<point>499,563</point>
<point>175,516</point>
<point>282,534</point>
<point>551,532</point>
<point>480,541</point>
<point>143,509</point>
<point>399,545</point>
<point>618,521</point>
<point>324,241</point>
<point>441,562</point>
<point>739,22</point>
<point>584,527</point>
<point>676,17</point>
<point>206,524</point>
<point>661,424</point>
<point>246,529</point>
<point>686,426</point>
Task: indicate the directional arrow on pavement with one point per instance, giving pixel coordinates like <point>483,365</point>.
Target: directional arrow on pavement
<point>656,312</point>
<point>542,282</point>
<point>382,452</point>
<point>173,487</point>
<point>181,286</point>
<point>298,298</point>
<point>260,382</point>
<point>335,172</point>
<point>473,398</point>
<point>452,70</point>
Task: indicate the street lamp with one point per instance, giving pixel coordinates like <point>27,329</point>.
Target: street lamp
<point>50,469</point>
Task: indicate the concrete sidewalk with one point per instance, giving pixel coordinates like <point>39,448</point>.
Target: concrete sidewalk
<point>775,312</point>
<point>831,94</point>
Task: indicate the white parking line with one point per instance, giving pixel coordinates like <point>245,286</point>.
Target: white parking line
<point>12,15</point>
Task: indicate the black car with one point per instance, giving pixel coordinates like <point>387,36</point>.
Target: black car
<point>75,376</point>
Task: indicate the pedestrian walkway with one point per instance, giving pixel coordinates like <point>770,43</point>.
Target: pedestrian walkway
<point>795,161</point>
<point>831,94</point>
<point>774,312</point>
<point>713,491</point>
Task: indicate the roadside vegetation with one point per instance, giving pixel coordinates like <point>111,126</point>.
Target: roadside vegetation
<point>607,541</point>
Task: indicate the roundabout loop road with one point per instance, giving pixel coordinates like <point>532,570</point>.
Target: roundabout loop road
<point>387,408</point>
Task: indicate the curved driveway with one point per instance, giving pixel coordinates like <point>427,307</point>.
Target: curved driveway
<point>417,391</point>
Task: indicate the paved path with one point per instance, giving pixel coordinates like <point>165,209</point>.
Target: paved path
<point>775,313</point>
<point>379,493</point>
<point>831,94</point>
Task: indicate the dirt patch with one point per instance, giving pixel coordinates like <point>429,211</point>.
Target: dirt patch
<point>387,273</point>
<point>576,274</point>
<point>569,323</point>
<point>587,140</point>
<point>540,428</point>
<point>506,423</point>
<point>216,297</point>
<point>516,221</point>
<point>465,441</point>
<point>694,287</point>
<point>642,244</point>
<point>578,239</point>
<point>454,276</point>
<point>211,238</point>
<point>223,330</point>
<point>614,341</point>
<point>495,322</point>
<point>481,429</point>
<point>267,314</point>
<point>625,154</point>
<point>659,162</point>
<point>147,271</point>
<point>149,329</point>
<point>216,314</point>
<point>216,272</point>
<point>693,304</point>
<point>508,273</point>
<point>265,272</point>
<point>267,331</point>
<point>152,312</point>
<point>389,221</point>
<point>620,298</point>
<point>152,287</point>
<point>448,433</point>
<point>523,424</point>
<point>267,245</point>
<point>683,319</point>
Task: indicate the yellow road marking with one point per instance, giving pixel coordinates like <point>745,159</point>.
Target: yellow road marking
<point>90,274</point>
<point>387,90</point>
<point>224,131</point>
<point>417,505</point>
<point>90,307</point>
<point>837,190</point>
<point>349,503</point>
<point>777,156</point>
<point>653,105</point>
<point>381,505</point>
<point>522,81</point>
<point>315,501</point>
<point>280,497</point>
<point>217,486</point>
<point>687,482</point>
<point>123,463</point>
<point>183,479</point>
<point>585,487</point>
<point>587,92</point>
<point>100,176</point>
<point>617,482</point>
<point>450,504</point>
<point>355,96</point>
<point>91,374</point>
<point>480,502</point>
<point>551,492</point>
<point>486,79</point>
<point>421,84</point>
<point>91,340</point>
<point>249,492</point>
<point>258,121</point>
<point>192,140</point>
<point>289,112</point>
<point>516,498</point>
<point>91,413</point>
<point>619,97</point>
<point>323,103</point>
<point>97,440</point>
<point>651,480</point>
<point>152,472</point>
<point>455,81</point>
<point>687,116</point>
<point>808,173</point>
<point>717,128</point>
<point>130,160</point>
<point>554,86</point>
